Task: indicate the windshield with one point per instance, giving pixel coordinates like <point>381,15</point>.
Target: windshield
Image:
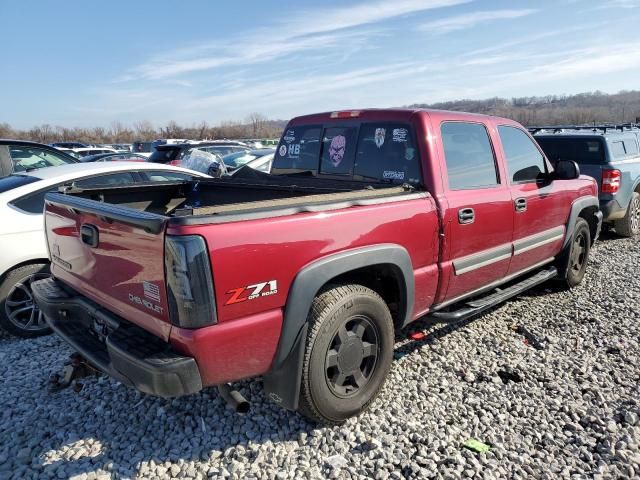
<point>29,158</point>
<point>581,150</point>
<point>15,181</point>
<point>235,160</point>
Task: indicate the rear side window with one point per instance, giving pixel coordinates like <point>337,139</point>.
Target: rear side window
<point>525,163</point>
<point>387,151</point>
<point>113,179</point>
<point>33,203</point>
<point>584,151</point>
<point>617,149</point>
<point>469,156</point>
<point>298,151</point>
<point>161,176</point>
<point>631,147</point>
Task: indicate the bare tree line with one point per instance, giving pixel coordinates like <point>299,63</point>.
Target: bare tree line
<point>256,125</point>
<point>582,108</point>
<point>579,109</point>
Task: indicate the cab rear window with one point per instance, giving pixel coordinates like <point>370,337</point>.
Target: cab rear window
<point>381,152</point>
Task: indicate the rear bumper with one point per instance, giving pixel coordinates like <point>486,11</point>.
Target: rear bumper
<point>122,350</point>
<point>612,210</point>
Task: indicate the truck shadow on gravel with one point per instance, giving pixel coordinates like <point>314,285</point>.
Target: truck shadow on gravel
<point>111,429</point>
<point>120,428</point>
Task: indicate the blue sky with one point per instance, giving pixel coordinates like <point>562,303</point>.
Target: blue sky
<point>81,63</point>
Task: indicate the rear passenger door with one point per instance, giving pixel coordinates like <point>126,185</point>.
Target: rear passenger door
<point>539,206</point>
<point>479,219</point>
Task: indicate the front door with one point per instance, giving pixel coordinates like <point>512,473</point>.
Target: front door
<point>539,205</point>
<point>478,223</point>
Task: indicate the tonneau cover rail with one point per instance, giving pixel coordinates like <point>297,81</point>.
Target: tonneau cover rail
<point>150,222</point>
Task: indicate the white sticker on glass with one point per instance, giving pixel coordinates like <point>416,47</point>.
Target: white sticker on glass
<point>400,134</point>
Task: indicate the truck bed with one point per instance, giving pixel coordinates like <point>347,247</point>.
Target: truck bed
<point>220,197</point>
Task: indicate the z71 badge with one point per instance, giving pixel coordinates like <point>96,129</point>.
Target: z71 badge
<point>251,292</point>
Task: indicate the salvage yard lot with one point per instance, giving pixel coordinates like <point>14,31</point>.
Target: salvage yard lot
<point>570,408</point>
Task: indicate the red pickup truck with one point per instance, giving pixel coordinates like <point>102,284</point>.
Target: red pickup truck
<point>368,221</point>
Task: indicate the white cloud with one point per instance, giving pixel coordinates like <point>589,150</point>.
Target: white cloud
<point>623,3</point>
<point>468,20</point>
<point>302,31</point>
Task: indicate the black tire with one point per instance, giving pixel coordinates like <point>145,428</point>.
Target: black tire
<point>573,263</point>
<point>19,315</point>
<point>629,225</point>
<point>348,353</point>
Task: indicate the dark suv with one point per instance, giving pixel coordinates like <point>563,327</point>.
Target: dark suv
<point>611,155</point>
<point>22,156</point>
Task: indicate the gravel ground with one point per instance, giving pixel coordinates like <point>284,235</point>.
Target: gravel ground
<point>567,409</point>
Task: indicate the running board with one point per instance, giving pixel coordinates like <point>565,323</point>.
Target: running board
<point>480,304</point>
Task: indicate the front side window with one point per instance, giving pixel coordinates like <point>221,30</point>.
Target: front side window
<point>27,158</point>
<point>468,155</point>
<point>525,163</point>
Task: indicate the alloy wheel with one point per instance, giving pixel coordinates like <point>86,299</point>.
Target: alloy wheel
<point>20,307</point>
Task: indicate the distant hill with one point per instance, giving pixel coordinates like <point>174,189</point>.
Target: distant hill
<point>582,108</point>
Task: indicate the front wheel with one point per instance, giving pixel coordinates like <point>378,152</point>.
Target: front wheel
<point>574,261</point>
<point>348,353</point>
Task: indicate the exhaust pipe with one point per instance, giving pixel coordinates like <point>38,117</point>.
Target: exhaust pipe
<point>234,398</point>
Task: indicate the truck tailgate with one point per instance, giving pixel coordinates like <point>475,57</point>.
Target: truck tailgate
<point>112,255</point>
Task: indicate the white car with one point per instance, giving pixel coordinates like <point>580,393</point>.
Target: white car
<point>24,256</point>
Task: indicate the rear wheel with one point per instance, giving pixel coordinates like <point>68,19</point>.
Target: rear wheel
<point>348,353</point>
<point>629,225</point>
<point>19,314</point>
<point>574,261</point>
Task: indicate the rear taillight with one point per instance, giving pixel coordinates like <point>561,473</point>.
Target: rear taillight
<point>189,282</point>
<point>610,181</point>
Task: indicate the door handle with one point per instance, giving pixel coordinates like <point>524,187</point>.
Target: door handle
<point>89,235</point>
<point>521,204</point>
<point>466,215</point>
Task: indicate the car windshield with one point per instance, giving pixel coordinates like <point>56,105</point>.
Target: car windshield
<point>15,181</point>
<point>581,150</point>
<point>235,160</point>
<point>29,158</point>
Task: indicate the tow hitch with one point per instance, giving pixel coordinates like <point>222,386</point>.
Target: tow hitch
<point>75,368</point>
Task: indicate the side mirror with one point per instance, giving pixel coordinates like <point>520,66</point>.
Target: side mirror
<point>566,170</point>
